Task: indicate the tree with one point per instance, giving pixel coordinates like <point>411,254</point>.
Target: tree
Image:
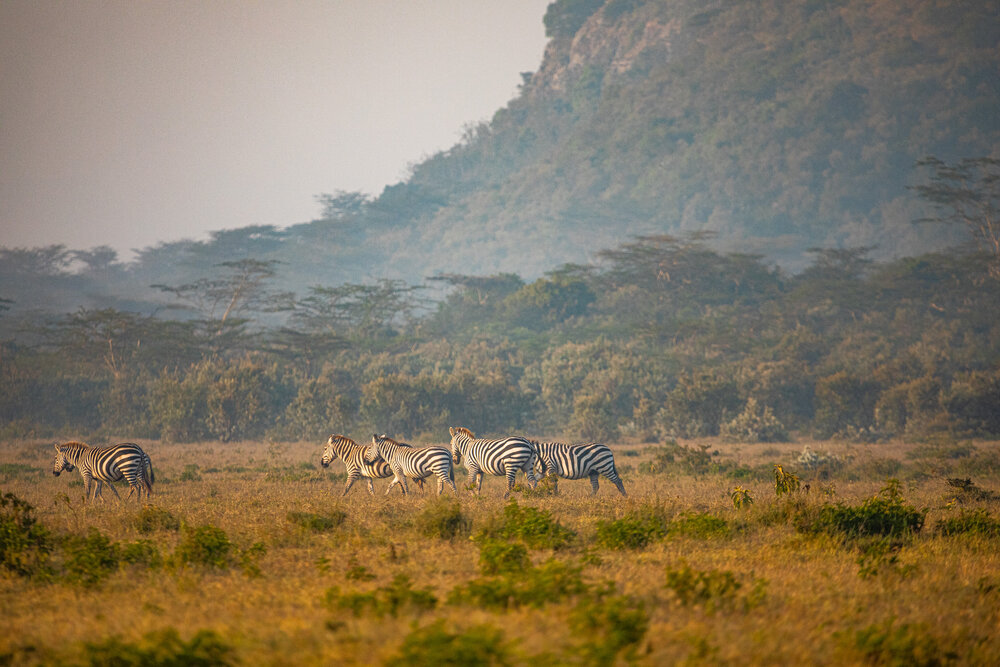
<point>342,205</point>
<point>968,193</point>
<point>355,310</point>
<point>242,288</point>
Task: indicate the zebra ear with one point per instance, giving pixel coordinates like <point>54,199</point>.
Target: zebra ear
<point>451,430</point>
<point>56,445</point>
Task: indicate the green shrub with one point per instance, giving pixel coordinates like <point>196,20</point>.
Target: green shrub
<point>631,532</point>
<point>975,522</point>
<point>533,526</point>
<point>191,473</point>
<point>443,518</point>
<point>433,645</point>
<point>906,644</point>
<point>152,518</point>
<point>784,482</point>
<point>497,557</point>
<point>551,581</point>
<point>714,589</point>
<point>882,515</point>
<point>163,648</point>
<point>756,423</point>
<point>205,545</point>
<point>317,523</point>
<point>672,458</point>
<point>89,559</point>
<point>392,599</point>
<point>25,545</point>
<point>609,625</point>
<point>141,552</point>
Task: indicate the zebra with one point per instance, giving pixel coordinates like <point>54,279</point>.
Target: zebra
<point>592,460</point>
<point>353,456</point>
<point>416,464</point>
<point>110,463</point>
<point>503,456</point>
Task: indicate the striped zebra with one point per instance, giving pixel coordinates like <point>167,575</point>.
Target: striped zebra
<point>576,462</point>
<point>417,464</point>
<point>353,456</point>
<point>111,463</point>
<point>501,457</point>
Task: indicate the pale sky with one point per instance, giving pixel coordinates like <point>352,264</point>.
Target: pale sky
<point>127,123</point>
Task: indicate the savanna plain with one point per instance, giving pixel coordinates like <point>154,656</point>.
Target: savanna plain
<point>722,553</point>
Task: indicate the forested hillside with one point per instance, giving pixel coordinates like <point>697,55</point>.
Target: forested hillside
<point>777,125</point>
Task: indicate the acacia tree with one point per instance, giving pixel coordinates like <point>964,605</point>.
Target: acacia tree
<point>968,193</point>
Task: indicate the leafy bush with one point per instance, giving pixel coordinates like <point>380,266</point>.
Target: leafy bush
<point>631,532</point>
<point>784,482</point>
<point>89,559</point>
<point>680,459</point>
<point>433,645</point>
<point>976,522</point>
<point>906,644</point>
<point>141,552</point>
<point>714,589</point>
<point>205,545</point>
<point>443,518</point>
<point>885,514</point>
<point>392,599</point>
<point>696,524</point>
<point>25,545</point>
<point>163,648</point>
<point>317,523</point>
<point>551,581</point>
<point>533,526</point>
<point>741,497</point>
<point>498,557</point>
<point>609,625</point>
<point>152,518</point>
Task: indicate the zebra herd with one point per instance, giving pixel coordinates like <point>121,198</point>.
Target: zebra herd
<point>384,457</point>
<point>502,457</point>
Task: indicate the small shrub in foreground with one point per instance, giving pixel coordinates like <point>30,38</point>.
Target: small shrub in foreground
<point>162,648</point>
<point>631,532</point>
<point>700,525</point>
<point>25,544</point>
<point>714,589</point>
<point>906,644</point>
<point>443,518</point>
<point>152,518</point>
<point>882,515</point>
<point>551,581</point>
<point>317,523</point>
<point>392,599</point>
<point>976,522</point>
<point>609,625</point>
<point>205,545</point>
<point>496,557</point>
<point>434,645</point>
<point>533,526</point>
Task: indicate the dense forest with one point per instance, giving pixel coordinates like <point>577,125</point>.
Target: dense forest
<point>696,218</point>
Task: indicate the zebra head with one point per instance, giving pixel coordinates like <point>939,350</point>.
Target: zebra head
<point>329,453</point>
<point>61,463</point>
<point>373,453</point>
<point>460,438</point>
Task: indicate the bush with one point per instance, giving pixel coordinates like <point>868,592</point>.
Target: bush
<point>499,557</point>
<point>631,532</point>
<point>680,459</point>
<point>882,515</point>
<point>756,423</point>
<point>205,545</point>
<point>89,559</point>
<point>152,518</point>
<point>906,644</point>
<point>551,581</point>
<point>976,522</point>
<point>433,645</point>
<point>610,625</point>
<point>535,527</point>
<point>162,648</point>
<point>700,525</point>
<point>25,545</point>
<point>317,523</point>
<point>443,518</point>
<point>391,599</point>
<point>714,589</point>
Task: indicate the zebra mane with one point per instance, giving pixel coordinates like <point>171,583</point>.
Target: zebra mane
<point>342,440</point>
<point>465,431</point>
<point>73,445</point>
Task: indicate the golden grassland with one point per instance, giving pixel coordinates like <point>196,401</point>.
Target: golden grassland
<point>760,590</point>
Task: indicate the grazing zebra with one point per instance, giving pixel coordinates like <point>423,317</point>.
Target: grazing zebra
<point>576,462</point>
<point>416,464</point>
<point>111,463</point>
<point>501,457</point>
<point>353,456</point>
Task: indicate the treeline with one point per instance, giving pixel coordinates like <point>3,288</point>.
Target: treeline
<point>660,337</point>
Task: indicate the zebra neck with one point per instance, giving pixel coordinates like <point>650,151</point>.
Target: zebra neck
<point>344,449</point>
<point>73,454</point>
<point>386,449</point>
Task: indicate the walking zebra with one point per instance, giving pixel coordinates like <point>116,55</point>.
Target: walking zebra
<point>110,463</point>
<point>353,456</point>
<point>576,462</point>
<point>416,464</point>
<point>501,457</point>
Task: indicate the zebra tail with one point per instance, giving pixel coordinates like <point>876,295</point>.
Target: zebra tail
<point>152,476</point>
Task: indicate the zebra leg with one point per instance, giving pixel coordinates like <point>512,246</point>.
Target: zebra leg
<point>555,481</point>
<point>115,491</point>
<point>511,478</point>
<point>593,483</point>
<point>618,482</point>
<point>350,482</point>
<point>371,487</point>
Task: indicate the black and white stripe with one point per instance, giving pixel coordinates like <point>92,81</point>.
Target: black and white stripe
<point>111,463</point>
<point>501,457</point>
<point>353,456</point>
<point>577,462</point>
<point>417,464</point>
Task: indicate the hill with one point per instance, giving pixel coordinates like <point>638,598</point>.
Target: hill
<point>777,126</point>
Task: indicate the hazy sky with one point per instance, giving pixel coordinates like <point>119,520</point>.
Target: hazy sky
<point>131,122</point>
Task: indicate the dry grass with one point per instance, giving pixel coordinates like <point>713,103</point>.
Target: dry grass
<point>932,599</point>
